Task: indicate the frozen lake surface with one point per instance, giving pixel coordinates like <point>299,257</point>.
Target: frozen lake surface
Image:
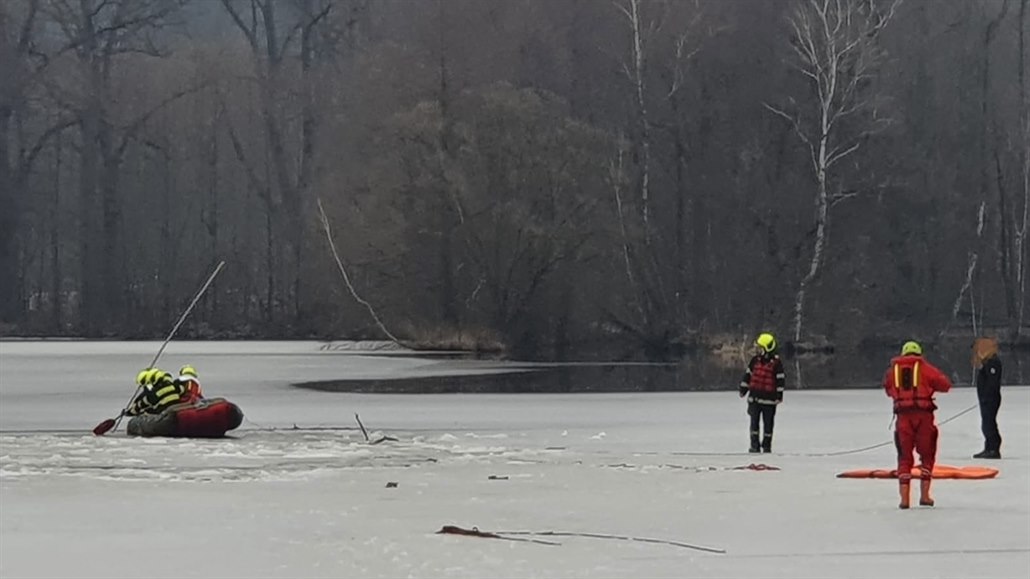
<point>314,502</point>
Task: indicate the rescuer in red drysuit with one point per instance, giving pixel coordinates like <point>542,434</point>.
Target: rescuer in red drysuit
<point>911,382</point>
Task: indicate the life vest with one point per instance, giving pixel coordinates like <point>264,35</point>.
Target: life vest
<point>192,386</point>
<point>909,387</point>
<point>763,375</point>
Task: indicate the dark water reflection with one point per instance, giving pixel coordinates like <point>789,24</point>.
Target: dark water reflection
<point>697,372</point>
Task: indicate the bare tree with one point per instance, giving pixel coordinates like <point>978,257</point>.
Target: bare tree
<point>967,285</point>
<point>835,48</point>
<point>687,41</point>
<point>635,71</point>
<point>989,34</point>
<point>101,35</point>
<point>1014,251</point>
<point>15,41</point>
<point>270,37</point>
<point>22,69</point>
<point>1024,113</point>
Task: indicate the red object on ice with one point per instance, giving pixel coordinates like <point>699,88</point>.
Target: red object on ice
<point>939,471</point>
<point>208,420</point>
<point>754,466</point>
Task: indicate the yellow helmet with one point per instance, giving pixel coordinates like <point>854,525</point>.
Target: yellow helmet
<point>149,376</point>
<point>911,348</point>
<point>766,342</point>
<point>187,371</point>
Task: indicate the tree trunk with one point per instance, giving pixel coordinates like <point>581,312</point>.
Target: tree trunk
<point>90,230</point>
<point>1024,113</point>
<point>54,226</point>
<point>305,171</point>
<point>113,259</point>
<point>822,212</point>
<point>680,224</point>
<point>562,331</point>
<point>822,219</point>
<point>639,63</point>
<point>448,292</point>
<point>270,261</point>
<point>8,224</point>
<point>973,259</point>
<point>212,222</point>
<point>166,263</point>
<point>1007,230</point>
<point>984,155</point>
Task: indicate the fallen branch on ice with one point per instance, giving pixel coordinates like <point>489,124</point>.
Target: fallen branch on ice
<point>346,278</point>
<point>475,532</point>
<point>365,432</point>
<point>752,466</point>
<point>616,537</point>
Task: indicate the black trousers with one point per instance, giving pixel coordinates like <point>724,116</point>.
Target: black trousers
<point>766,414</point>
<point>989,406</point>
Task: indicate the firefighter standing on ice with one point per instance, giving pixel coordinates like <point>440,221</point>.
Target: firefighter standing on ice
<point>911,382</point>
<point>763,384</point>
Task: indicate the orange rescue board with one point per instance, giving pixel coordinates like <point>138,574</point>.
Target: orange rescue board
<point>939,471</point>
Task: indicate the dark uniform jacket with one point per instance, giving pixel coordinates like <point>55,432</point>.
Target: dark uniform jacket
<point>155,398</point>
<point>988,379</point>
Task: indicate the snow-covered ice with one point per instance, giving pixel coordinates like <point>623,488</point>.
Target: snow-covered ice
<point>314,502</point>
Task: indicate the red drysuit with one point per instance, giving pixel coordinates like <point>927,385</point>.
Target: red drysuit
<point>912,381</point>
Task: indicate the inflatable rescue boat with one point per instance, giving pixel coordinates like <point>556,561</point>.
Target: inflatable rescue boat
<point>207,418</point>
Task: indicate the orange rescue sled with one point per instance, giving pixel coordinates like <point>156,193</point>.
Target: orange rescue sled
<point>939,471</point>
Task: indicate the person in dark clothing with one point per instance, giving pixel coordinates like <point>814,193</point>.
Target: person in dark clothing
<point>763,384</point>
<point>988,393</point>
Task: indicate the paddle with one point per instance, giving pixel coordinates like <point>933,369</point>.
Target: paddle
<point>110,423</point>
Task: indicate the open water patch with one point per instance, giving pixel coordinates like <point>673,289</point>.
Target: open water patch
<point>551,378</point>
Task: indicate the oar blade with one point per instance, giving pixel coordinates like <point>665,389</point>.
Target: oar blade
<point>102,428</point>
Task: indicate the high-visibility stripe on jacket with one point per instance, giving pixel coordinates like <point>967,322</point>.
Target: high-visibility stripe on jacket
<point>911,382</point>
<point>155,398</point>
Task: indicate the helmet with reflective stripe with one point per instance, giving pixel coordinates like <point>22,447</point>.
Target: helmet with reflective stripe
<point>766,342</point>
<point>911,348</point>
<point>187,371</point>
<point>150,376</point>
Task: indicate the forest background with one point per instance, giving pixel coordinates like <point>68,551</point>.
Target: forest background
<point>555,179</point>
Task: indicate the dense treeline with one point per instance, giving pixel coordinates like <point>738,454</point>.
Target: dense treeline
<point>551,175</point>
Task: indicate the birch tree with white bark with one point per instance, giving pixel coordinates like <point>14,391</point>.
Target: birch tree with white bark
<point>1015,212</point>
<point>635,69</point>
<point>835,46</point>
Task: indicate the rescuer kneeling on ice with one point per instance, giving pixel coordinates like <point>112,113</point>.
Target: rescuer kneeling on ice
<point>911,382</point>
